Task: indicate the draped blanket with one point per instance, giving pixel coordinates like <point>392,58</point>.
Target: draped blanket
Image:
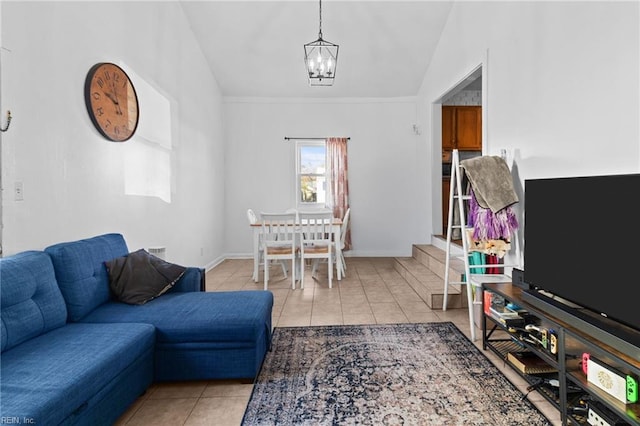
<point>491,181</point>
<point>490,213</point>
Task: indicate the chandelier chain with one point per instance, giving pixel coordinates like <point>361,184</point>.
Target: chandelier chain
<point>320,31</point>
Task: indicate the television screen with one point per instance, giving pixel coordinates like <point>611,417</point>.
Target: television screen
<point>582,242</point>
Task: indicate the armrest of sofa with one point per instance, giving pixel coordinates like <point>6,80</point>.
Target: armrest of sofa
<point>191,280</point>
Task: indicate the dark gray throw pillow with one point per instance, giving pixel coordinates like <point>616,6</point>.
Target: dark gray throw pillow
<point>140,277</point>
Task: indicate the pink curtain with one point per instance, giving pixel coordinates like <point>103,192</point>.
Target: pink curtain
<point>339,186</point>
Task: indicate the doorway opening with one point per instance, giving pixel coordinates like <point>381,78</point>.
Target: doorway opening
<point>458,123</point>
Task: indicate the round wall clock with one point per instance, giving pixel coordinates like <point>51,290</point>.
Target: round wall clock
<point>111,101</point>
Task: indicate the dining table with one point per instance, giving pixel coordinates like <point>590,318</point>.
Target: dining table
<point>336,228</point>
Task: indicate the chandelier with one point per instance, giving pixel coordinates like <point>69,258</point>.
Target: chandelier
<point>321,58</point>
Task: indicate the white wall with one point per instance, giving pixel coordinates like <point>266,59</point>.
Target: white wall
<point>73,178</point>
<point>383,163</point>
<point>561,89</point>
<point>562,84</point>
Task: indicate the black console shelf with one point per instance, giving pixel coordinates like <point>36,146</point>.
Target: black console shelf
<point>574,396</point>
<point>502,347</point>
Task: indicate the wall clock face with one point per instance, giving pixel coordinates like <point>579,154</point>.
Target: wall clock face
<point>111,101</point>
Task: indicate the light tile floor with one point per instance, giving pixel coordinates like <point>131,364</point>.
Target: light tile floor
<point>373,292</point>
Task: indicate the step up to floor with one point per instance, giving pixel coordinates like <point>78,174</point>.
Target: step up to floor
<point>424,271</point>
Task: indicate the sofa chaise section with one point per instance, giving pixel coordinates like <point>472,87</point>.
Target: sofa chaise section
<point>199,335</point>
<point>212,335</point>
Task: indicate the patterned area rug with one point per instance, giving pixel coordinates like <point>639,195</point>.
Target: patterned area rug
<point>396,374</point>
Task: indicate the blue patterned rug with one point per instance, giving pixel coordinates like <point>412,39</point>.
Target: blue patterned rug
<point>396,374</point>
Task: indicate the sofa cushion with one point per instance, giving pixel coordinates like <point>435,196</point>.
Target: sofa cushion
<point>30,300</point>
<point>140,277</point>
<point>80,271</point>
<point>54,376</point>
<point>221,317</point>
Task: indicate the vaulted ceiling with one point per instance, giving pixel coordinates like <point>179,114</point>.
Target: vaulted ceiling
<point>255,48</point>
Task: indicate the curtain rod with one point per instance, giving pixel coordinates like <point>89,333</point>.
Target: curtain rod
<point>287,138</point>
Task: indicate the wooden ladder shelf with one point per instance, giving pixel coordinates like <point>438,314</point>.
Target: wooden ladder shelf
<point>471,281</point>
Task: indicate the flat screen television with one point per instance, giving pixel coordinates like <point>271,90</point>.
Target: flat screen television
<point>582,244</point>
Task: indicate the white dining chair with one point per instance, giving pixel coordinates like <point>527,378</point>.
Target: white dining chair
<point>253,219</point>
<point>279,242</point>
<point>292,210</point>
<point>315,242</point>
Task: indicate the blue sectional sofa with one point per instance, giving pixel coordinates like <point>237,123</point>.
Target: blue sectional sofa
<point>71,354</point>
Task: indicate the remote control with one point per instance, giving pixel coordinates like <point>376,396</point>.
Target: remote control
<point>632,389</point>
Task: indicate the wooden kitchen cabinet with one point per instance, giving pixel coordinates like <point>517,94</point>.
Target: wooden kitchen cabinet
<point>462,128</point>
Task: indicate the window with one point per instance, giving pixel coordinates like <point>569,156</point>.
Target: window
<point>311,174</point>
